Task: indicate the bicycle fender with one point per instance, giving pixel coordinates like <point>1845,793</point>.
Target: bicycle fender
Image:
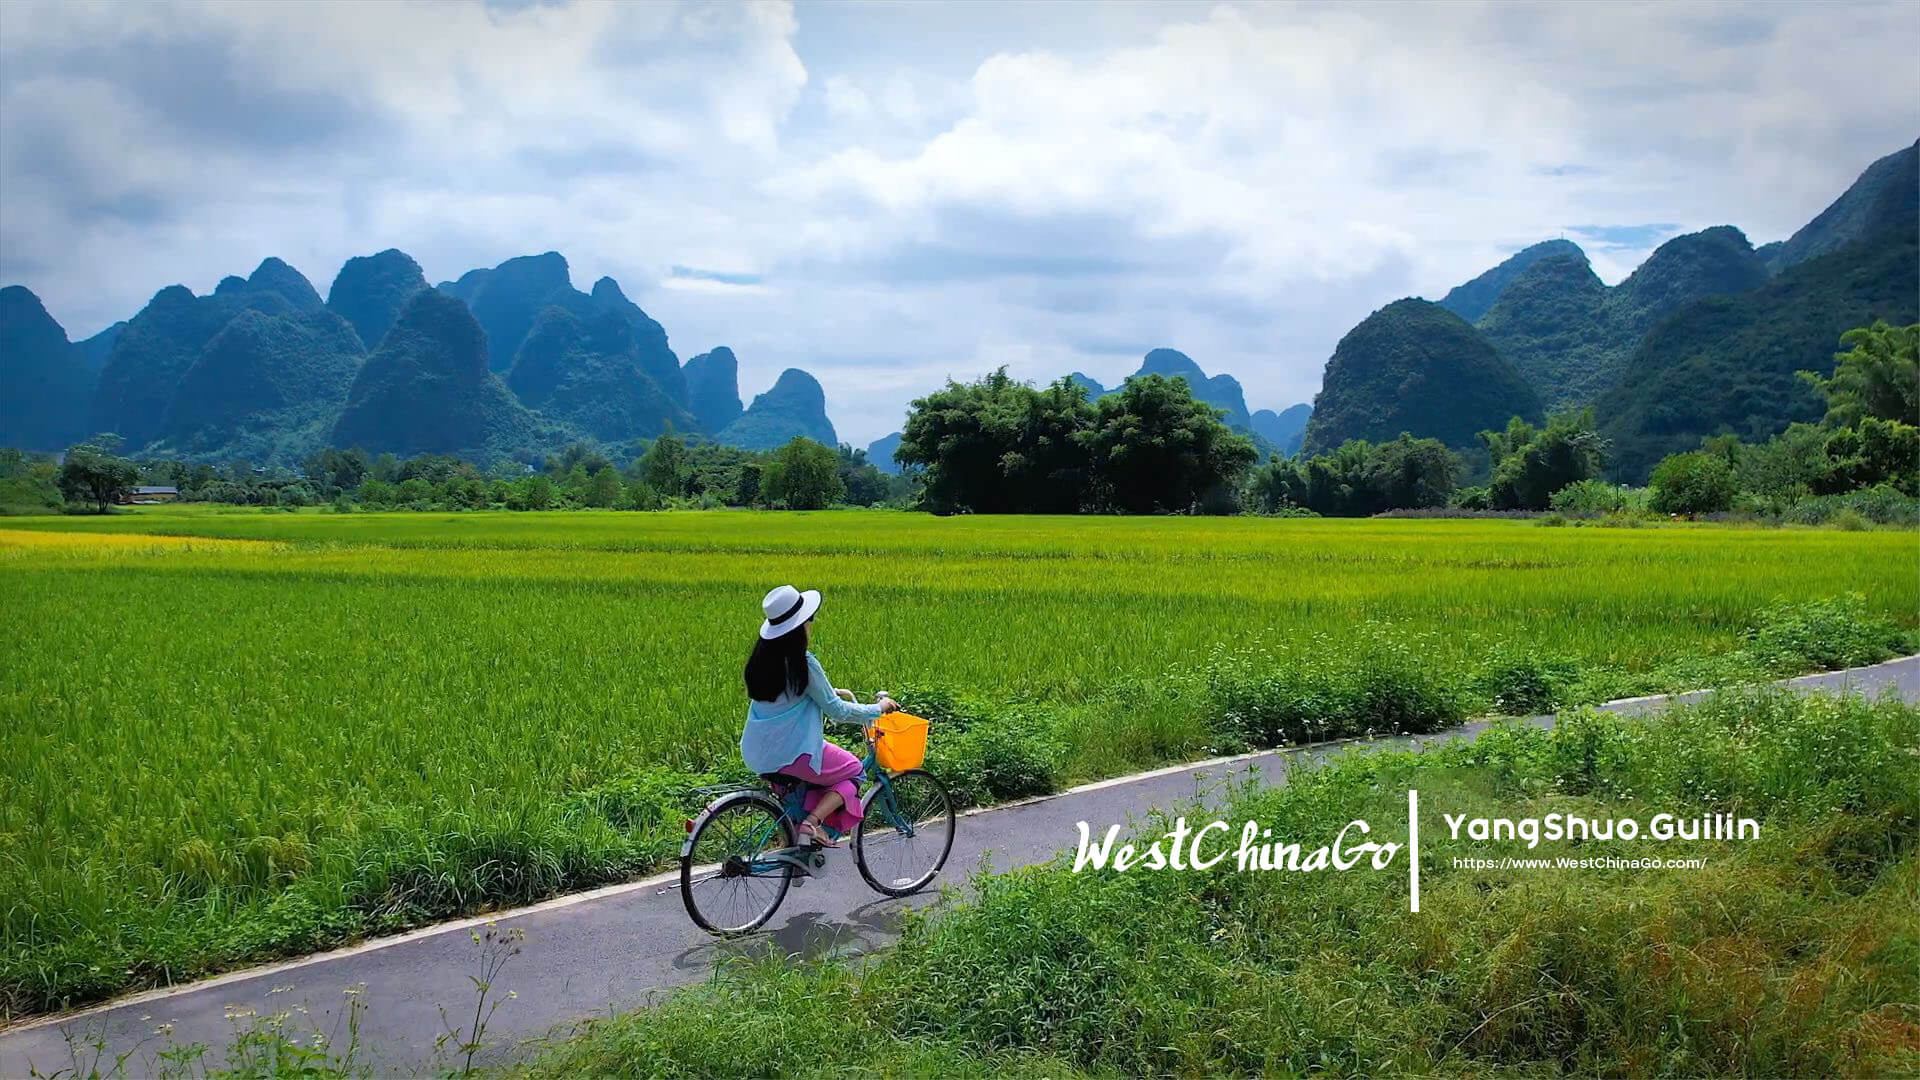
<point>686,846</point>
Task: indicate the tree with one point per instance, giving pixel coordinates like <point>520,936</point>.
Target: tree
<point>603,487</point>
<point>865,485</point>
<point>664,465</point>
<point>28,483</point>
<point>537,491</point>
<point>1874,452</point>
<point>1359,478</point>
<point>337,470</point>
<point>1154,448</point>
<point>1878,376</point>
<point>92,473</point>
<point>1696,482</point>
<point>1275,486</point>
<point>748,490</point>
<point>1529,465</point>
<point>1410,473</point>
<point>1000,446</point>
<point>802,475</point>
<point>638,495</point>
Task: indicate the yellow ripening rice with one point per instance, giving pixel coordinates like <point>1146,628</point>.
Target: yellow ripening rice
<point>22,543</point>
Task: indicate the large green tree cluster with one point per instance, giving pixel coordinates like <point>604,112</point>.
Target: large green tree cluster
<point>998,445</point>
<point>1359,478</point>
<point>91,472</point>
<point>1531,464</point>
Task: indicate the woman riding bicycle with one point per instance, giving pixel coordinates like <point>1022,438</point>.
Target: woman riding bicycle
<point>789,700</point>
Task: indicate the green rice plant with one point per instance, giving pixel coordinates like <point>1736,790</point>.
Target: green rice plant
<point>302,727</point>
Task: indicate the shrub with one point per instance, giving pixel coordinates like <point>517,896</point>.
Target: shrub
<point>1695,482</point>
<point>1383,683</point>
<point>1592,498</point>
<point>1847,519</point>
<point>1881,504</point>
<point>938,705</point>
<point>1822,635</point>
<point>1014,754</point>
<point>1473,498</point>
<point>1519,681</point>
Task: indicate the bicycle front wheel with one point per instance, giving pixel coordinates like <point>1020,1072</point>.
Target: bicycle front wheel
<point>726,881</point>
<point>906,834</point>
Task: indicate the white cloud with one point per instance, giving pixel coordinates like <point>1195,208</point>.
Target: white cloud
<point>926,193</point>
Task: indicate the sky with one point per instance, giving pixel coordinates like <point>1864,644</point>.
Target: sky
<point>892,194</point>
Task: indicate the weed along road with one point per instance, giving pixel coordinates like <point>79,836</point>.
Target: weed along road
<point>612,949</point>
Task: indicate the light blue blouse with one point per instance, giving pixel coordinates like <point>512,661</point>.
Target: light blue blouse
<point>780,730</point>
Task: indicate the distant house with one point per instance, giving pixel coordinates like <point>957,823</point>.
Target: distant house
<point>147,495</point>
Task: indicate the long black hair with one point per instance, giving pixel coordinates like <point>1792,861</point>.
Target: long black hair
<point>778,665</point>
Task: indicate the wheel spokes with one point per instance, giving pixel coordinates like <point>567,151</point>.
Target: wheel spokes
<point>720,881</point>
<point>906,833</point>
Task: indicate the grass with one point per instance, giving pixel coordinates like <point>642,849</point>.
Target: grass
<point>1797,953</point>
<point>233,736</point>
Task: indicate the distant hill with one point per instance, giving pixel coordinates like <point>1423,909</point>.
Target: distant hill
<point>713,388</point>
<point>1727,363</point>
<point>649,341</point>
<point>46,378</point>
<point>1569,335</point>
<point>880,453</point>
<point>1285,430</point>
<point>370,290</point>
<point>1553,324</point>
<point>427,389</point>
<point>1711,262</point>
<point>1414,366</point>
<point>255,371</point>
<point>275,276</point>
<point>1221,391</point>
<point>1088,383</point>
<point>266,387</point>
<point>1884,198</point>
<point>506,299</point>
<point>158,345</point>
<point>794,406</point>
<point>93,351</point>
<point>1472,300</point>
<point>586,372</point>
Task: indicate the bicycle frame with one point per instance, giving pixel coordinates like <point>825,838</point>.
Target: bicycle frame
<point>878,794</point>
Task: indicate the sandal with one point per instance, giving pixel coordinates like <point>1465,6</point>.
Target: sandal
<point>813,832</point>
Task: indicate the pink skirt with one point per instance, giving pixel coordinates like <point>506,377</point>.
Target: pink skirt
<point>838,770</point>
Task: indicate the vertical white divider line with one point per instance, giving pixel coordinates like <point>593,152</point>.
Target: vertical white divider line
<point>1413,846</point>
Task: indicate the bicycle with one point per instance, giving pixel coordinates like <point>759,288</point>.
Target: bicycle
<point>741,854</point>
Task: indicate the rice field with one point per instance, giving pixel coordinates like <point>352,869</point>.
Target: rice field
<point>234,735</point>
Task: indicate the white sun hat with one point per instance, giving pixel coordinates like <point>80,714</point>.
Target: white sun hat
<point>785,608</point>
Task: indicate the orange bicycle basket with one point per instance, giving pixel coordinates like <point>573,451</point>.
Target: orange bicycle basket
<point>899,741</point>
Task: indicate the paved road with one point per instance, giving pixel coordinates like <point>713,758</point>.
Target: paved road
<point>613,949</point>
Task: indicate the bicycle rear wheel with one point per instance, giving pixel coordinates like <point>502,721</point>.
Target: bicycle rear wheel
<point>725,879</point>
<point>906,834</point>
